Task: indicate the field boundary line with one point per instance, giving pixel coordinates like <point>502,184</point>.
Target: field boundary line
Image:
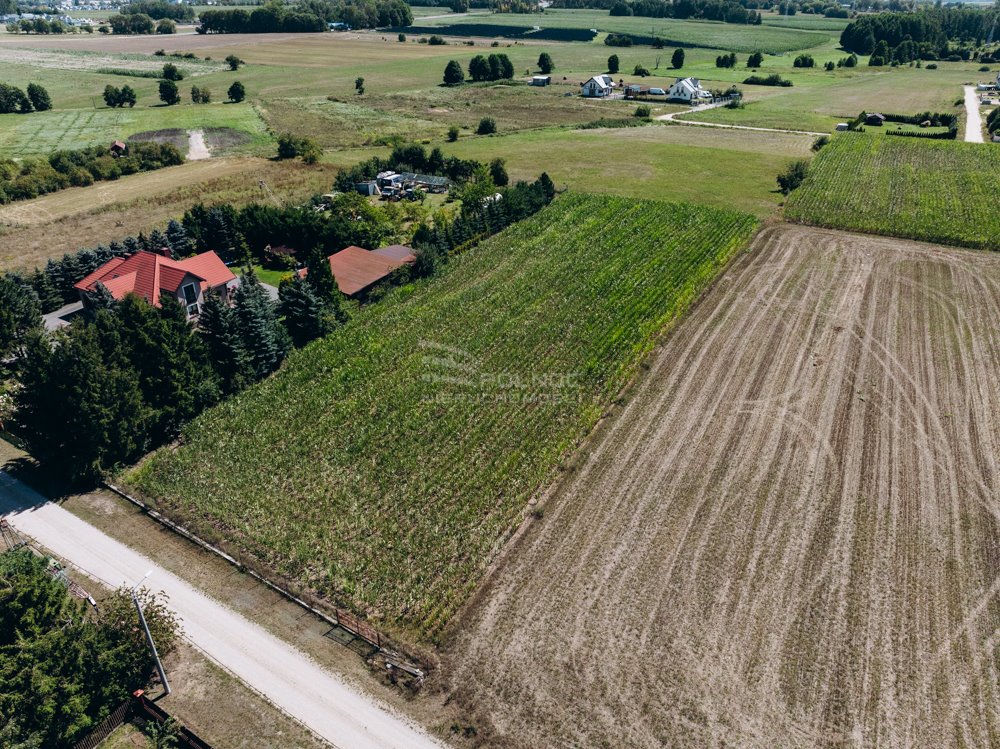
<point>197,540</point>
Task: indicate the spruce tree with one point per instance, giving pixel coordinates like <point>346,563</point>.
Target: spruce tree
<point>263,336</point>
<point>306,317</point>
<point>219,328</point>
<point>177,240</point>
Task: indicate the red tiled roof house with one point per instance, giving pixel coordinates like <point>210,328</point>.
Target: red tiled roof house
<point>149,275</point>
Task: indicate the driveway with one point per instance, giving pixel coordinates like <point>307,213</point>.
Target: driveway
<point>320,700</point>
<point>973,119</point>
<point>671,117</point>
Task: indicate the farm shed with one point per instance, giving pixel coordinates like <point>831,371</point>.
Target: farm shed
<point>149,275</point>
<point>368,188</point>
<point>118,148</point>
<point>842,127</point>
<point>875,119</point>
<point>598,86</point>
<point>541,80</point>
<point>356,270</point>
<point>430,182</point>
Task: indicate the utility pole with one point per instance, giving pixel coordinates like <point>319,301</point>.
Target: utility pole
<point>149,636</point>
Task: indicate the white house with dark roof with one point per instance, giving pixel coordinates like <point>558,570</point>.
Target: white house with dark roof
<point>687,90</point>
<point>599,85</point>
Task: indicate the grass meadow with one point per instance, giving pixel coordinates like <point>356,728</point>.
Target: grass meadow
<point>474,385</point>
<point>938,191</point>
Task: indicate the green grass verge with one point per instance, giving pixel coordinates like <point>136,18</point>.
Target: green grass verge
<point>938,191</point>
<point>385,465</point>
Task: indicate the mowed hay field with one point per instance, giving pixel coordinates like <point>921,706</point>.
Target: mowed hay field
<point>32,231</point>
<point>790,534</point>
<point>939,191</point>
<point>386,464</point>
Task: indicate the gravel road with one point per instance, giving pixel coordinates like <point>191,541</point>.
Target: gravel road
<point>284,675</point>
<point>973,120</point>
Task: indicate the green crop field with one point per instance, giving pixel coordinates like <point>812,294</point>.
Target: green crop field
<point>385,465</point>
<point>938,191</point>
<point>716,35</point>
<point>44,132</point>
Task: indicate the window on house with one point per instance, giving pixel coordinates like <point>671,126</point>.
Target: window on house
<point>191,298</point>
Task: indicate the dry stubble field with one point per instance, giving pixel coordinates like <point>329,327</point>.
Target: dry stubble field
<point>788,537</point>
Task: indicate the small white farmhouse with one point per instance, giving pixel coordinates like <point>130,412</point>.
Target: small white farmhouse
<point>687,90</point>
<point>599,85</point>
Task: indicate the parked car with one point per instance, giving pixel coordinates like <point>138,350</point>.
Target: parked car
<point>657,92</point>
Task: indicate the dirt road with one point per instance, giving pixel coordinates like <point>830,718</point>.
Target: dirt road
<point>284,675</point>
<point>788,536</point>
<point>197,148</point>
<point>973,119</point>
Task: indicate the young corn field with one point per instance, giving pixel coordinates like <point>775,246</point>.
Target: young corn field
<point>384,466</point>
<point>937,191</point>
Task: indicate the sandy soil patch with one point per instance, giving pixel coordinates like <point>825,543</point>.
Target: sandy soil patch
<point>788,536</point>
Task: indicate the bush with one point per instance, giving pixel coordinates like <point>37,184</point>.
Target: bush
<point>545,63</point>
<point>677,59</point>
<point>291,146</point>
<point>487,126</point>
<point>792,177</point>
<point>237,92</point>
<point>932,66</point>
<point>820,142</point>
<point>166,26</point>
<point>755,60</point>
<point>613,64</point>
<point>436,41</point>
<point>234,62</point>
<point>401,37</point>
<point>829,65</point>
<point>39,98</point>
<point>640,71</point>
<point>772,80</point>
<point>168,93</point>
<point>642,110</point>
<point>618,40</point>
<point>804,61</point>
<point>453,73</point>
<point>172,73</point>
<point>453,133</point>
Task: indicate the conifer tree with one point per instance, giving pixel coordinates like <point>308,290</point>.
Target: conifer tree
<point>263,336</point>
<point>306,317</point>
<point>219,329</point>
<point>177,240</point>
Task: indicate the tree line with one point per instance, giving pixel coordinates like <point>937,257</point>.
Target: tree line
<point>306,16</point>
<point>928,30</point>
<point>160,9</point>
<point>64,668</point>
<point>728,11</point>
<point>29,178</point>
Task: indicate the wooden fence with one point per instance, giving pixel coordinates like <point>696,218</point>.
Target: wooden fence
<point>138,706</point>
<point>107,726</point>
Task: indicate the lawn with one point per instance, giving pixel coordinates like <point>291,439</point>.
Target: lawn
<point>715,167</point>
<point>938,191</point>
<point>819,99</point>
<point>385,465</point>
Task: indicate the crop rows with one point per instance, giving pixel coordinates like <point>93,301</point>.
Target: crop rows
<point>937,191</point>
<point>385,465</point>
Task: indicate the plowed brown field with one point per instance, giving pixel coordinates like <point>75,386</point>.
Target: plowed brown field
<point>788,537</point>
